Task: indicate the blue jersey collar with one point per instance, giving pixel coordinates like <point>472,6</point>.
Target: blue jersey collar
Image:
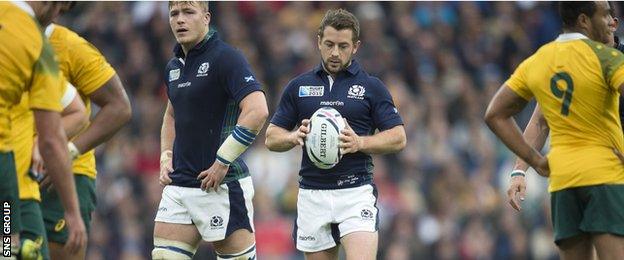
<point>209,40</point>
<point>353,69</point>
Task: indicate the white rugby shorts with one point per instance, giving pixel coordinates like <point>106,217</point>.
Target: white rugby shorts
<point>216,214</point>
<point>325,216</point>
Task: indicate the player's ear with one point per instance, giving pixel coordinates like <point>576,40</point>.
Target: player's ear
<point>318,41</point>
<point>207,18</point>
<point>583,21</point>
<point>356,45</point>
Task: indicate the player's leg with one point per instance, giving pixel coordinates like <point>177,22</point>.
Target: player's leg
<point>240,245</point>
<point>577,247</point>
<point>9,196</point>
<point>360,245</point>
<point>225,218</point>
<point>327,254</point>
<point>358,217</point>
<point>609,246</point>
<point>314,233</point>
<point>567,208</point>
<point>175,235</point>
<point>604,219</point>
<point>53,216</point>
<point>175,241</point>
<point>33,228</point>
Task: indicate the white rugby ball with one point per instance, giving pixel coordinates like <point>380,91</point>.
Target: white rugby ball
<point>322,141</point>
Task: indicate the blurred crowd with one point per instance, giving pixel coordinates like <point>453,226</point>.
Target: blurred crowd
<point>443,197</point>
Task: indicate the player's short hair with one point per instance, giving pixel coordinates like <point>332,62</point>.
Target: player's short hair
<point>570,10</point>
<point>340,19</point>
<point>202,4</point>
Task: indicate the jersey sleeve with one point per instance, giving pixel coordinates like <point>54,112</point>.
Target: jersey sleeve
<point>286,113</point>
<point>385,114</point>
<point>518,81</point>
<point>238,78</point>
<point>88,70</point>
<point>46,85</point>
<point>611,61</point>
<point>615,70</point>
<point>69,93</point>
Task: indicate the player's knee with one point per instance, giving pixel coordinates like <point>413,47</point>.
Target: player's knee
<point>247,254</point>
<point>171,249</point>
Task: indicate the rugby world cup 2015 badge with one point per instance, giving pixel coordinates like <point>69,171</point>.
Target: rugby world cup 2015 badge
<point>311,91</point>
<point>174,74</point>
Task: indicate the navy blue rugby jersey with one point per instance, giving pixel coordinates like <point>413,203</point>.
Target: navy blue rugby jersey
<point>205,89</point>
<point>360,98</point>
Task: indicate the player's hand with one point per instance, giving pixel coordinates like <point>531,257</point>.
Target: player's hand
<point>516,191</point>
<point>213,177</point>
<point>36,163</point>
<point>350,142</point>
<point>46,183</point>
<point>77,233</point>
<point>166,167</point>
<point>299,135</point>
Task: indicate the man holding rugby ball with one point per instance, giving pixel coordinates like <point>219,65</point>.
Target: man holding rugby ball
<point>337,205</point>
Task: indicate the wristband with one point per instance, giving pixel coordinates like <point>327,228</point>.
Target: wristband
<point>73,151</point>
<point>235,144</point>
<point>515,173</point>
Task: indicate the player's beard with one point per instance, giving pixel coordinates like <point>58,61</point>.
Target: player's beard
<point>343,65</point>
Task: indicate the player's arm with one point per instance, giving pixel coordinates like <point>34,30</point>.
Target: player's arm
<point>388,141</point>
<point>74,116</point>
<point>114,113</point>
<point>167,131</point>
<point>254,113</point>
<point>535,133</point>
<point>53,148</point>
<point>167,135</point>
<point>279,139</point>
<point>499,118</point>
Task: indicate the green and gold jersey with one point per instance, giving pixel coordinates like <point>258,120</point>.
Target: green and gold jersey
<point>27,64</point>
<point>85,68</point>
<point>576,82</point>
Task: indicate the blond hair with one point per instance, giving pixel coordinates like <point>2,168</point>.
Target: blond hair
<point>202,4</point>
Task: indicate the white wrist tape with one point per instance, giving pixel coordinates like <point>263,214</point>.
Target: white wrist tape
<point>73,151</point>
<point>235,144</point>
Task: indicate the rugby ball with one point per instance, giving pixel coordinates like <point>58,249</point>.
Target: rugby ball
<point>322,141</point>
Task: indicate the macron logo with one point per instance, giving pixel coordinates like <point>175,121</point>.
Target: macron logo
<point>249,79</point>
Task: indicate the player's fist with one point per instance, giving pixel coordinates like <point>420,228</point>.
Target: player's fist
<point>299,135</point>
<point>166,167</point>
